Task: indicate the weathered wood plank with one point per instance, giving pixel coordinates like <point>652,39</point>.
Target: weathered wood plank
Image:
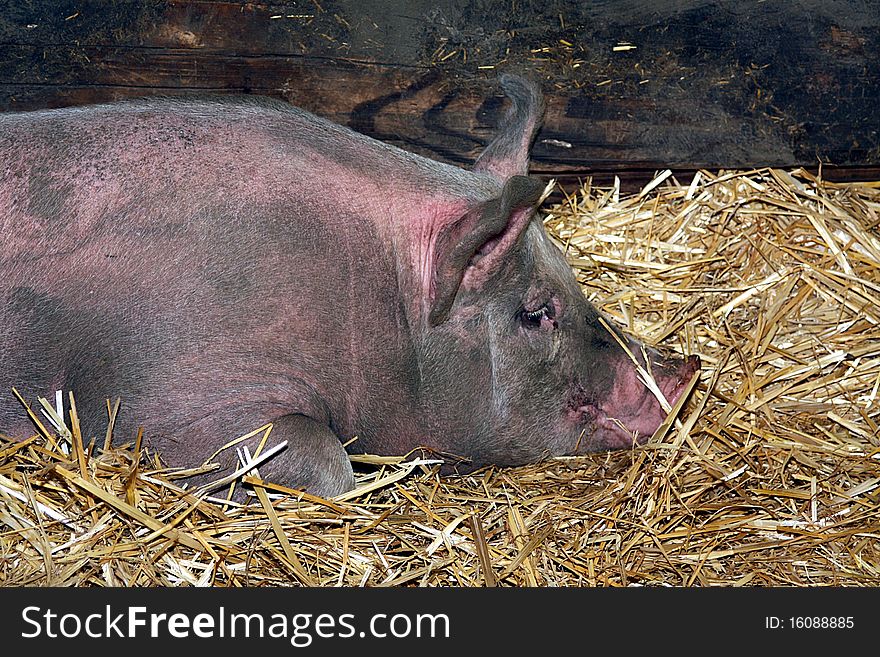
<point>632,85</point>
<point>428,114</point>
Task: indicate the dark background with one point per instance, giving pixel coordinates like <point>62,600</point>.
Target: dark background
<point>496,621</point>
<point>708,84</point>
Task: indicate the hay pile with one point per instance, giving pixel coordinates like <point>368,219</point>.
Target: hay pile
<point>769,477</point>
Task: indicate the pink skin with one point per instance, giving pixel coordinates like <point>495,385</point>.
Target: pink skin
<point>632,413</point>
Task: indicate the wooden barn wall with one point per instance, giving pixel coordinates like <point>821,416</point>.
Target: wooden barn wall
<point>632,85</point>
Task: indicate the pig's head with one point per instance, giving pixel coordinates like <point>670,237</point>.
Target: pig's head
<point>516,363</point>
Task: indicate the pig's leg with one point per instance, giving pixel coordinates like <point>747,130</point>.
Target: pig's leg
<point>314,460</point>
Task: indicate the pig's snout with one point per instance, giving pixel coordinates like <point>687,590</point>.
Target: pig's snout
<point>631,413</point>
<point>674,385</point>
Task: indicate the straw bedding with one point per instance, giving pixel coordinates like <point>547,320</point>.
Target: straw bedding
<point>768,475</point>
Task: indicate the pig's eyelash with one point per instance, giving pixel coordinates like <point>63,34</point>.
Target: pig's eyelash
<point>532,318</point>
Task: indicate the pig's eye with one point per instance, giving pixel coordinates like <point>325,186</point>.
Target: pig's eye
<point>533,319</point>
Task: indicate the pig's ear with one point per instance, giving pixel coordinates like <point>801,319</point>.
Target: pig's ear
<point>471,250</point>
<point>508,154</point>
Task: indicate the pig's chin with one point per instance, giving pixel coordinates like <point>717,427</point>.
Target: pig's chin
<point>620,431</point>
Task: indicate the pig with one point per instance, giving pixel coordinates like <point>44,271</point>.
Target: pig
<point>219,263</point>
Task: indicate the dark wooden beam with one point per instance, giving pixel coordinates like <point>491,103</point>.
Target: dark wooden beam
<point>632,86</point>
